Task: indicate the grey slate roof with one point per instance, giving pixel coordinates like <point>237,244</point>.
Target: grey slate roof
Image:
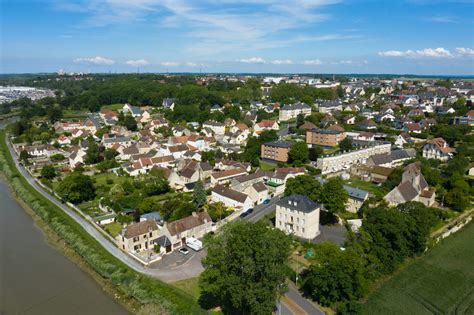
<point>299,203</point>
<point>356,193</point>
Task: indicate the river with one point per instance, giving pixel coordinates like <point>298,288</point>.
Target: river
<point>36,278</point>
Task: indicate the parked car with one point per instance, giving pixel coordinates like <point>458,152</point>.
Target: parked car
<point>246,213</point>
<point>266,201</point>
<point>184,250</point>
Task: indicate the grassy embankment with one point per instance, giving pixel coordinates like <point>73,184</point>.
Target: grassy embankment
<point>143,294</point>
<point>439,282</point>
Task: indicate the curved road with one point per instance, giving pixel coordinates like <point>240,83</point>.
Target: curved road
<point>169,275</point>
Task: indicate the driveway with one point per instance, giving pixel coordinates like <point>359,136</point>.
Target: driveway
<point>334,233</point>
<point>177,266</point>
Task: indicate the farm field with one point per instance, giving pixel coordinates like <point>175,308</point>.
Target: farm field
<point>441,282</point>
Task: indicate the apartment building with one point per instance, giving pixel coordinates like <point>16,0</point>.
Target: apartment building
<point>324,137</point>
<point>343,161</point>
<point>298,215</point>
<point>291,111</point>
<point>276,150</point>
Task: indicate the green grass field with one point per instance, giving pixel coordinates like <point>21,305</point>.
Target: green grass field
<point>265,166</point>
<point>440,282</point>
<point>113,228</point>
<point>113,106</point>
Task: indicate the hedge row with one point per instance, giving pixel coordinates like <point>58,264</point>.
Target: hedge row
<point>144,289</point>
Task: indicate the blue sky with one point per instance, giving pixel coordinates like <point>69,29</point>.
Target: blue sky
<point>314,36</point>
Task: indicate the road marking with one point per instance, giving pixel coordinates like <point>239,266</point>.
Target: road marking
<point>292,306</point>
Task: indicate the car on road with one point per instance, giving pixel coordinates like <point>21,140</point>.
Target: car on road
<point>184,250</point>
<point>246,213</point>
<point>266,201</point>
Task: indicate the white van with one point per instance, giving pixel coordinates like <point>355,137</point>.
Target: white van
<point>194,243</point>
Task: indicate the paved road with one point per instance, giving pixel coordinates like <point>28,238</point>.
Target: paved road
<point>178,272</point>
<point>306,305</point>
<point>168,275</point>
<point>262,210</point>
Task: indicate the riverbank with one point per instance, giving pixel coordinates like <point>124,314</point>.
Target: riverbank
<point>53,240</point>
<point>141,293</point>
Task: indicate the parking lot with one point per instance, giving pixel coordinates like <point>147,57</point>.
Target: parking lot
<point>177,266</point>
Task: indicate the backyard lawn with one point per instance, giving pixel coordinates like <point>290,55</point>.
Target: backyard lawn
<point>265,166</point>
<point>440,282</point>
<point>113,228</point>
<point>112,106</point>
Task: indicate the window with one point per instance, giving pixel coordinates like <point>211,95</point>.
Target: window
<point>136,239</point>
<point>298,220</point>
<point>151,234</point>
<point>302,230</point>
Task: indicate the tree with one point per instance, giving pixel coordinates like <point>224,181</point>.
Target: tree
<point>315,152</point>
<point>199,194</point>
<point>24,156</point>
<point>148,205</point>
<point>48,172</point>
<point>127,121</point>
<point>338,278</point>
<point>110,154</point>
<point>76,188</point>
<point>92,153</point>
<point>334,195</point>
<point>346,144</point>
<point>245,268</point>
<point>304,185</point>
<point>299,120</point>
<point>298,153</point>
<point>55,114</point>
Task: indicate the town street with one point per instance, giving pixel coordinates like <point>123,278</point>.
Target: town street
<point>186,268</point>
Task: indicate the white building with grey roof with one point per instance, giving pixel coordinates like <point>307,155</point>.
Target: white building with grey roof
<point>299,216</point>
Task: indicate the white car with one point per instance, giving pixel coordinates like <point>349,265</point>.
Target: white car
<point>184,250</point>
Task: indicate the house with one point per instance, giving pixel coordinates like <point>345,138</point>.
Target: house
<point>413,187</point>
<point>105,219</point>
<point>356,199</point>
<point>392,159</point>
<point>325,137</point>
<point>37,150</point>
<point>326,106</point>
<point>217,127</point>
<point>368,124</point>
<point>349,120</point>
<point>132,110</point>
<point>402,139</point>
<point>291,111</point>
<point>168,103</point>
<point>63,140</point>
<point>137,237</point>
<point>257,192</point>
<point>77,157</point>
<point>223,177</point>
<point>265,125</point>
<point>308,126</point>
<point>298,215</point>
<point>276,150</point>
<point>438,149</point>
<point>196,225</point>
<point>412,127</point>
<point>385,117</point>
<point>231,198</point>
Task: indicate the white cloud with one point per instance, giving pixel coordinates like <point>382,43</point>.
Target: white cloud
<point>314,62</point>
<point>252,60</point>
<point>423,53</point>
<point>220,26</point>
<point>465,51</point>
<point>95,61</point>
<point>137,63</point>
<point>282,62</point>
<point>170,63</point>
